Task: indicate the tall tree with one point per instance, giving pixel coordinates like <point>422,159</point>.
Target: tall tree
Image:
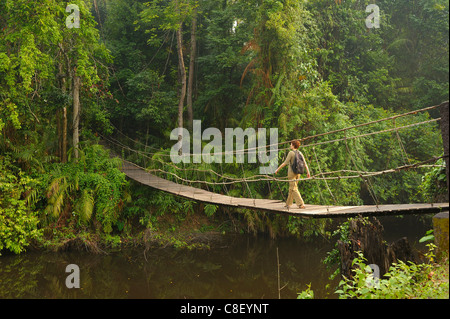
<point>193,55</point>
<point>171,16</point>
<point>26,59</point>
<point>418,44</point>
<point>181,68</point>
<point>76,114</point>
<point>85,59</point>
<point>282,63</point>
<point>40,57</point>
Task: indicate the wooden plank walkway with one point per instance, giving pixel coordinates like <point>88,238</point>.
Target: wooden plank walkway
<point>275,206</point>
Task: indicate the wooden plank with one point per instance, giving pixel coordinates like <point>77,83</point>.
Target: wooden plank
<point>262,202</point>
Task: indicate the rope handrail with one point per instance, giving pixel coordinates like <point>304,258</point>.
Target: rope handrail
<point>262,178</point>
<point>377,121</point>
<point>394,117</point>
<point>240,152</point>
<point>259,177</point>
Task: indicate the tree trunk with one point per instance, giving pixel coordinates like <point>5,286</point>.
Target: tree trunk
<point>191,71</point>
<point>76,114</point>
<point>366,236</point>
<point>444,128</point>
<point>182,70</point>
<point>59,133</point>
<point>64,141</point>
<point>61,115</point>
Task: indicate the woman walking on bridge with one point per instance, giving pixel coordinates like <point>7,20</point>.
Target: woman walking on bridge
<point>296,166</point>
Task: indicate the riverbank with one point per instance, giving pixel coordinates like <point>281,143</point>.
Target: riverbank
<point>198,232</point>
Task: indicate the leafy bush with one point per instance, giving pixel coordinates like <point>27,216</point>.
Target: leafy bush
<point>91,187</point>
<point>434,183</point>
<point>306,294</point>
<point>403,281</point>
<point>333,257</point>
<point>18,222</point>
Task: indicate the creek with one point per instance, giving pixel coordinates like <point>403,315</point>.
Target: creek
<point>236,267</point>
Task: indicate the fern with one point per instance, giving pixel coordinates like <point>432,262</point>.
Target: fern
<point>85,205</point>
<point>55,194</point>
<point>32,197</point>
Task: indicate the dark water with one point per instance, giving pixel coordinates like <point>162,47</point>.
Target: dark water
<point>240,266</point>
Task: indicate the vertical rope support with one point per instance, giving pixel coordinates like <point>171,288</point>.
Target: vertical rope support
<point>402,147</point>
<point>185,177</point>
<point>146,157</point>
<point>204,176</point>
<point>279,188</point>
<point>319,190</point>
<point>369,178</point>
<point>248,187</point>
<point>225,186</point>
<point>281,191</point>
<point>214,181</point>
<point>270,190</point>
<point>359,171</point>
<point>157,175</point>
<point>323,176</point>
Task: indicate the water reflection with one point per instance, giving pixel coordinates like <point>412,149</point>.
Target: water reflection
<point>238,266</point>
<point>241,267</point>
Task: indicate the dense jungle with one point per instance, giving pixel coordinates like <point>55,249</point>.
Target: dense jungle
<point>131,71</point>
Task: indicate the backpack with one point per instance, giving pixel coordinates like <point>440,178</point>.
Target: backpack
<point>298,166</point>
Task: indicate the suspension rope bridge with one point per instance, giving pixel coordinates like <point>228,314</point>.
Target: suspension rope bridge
<point>207,185</point>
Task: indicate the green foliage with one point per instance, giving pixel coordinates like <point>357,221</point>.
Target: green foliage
<point>395,67</point>
<point>333,257</point>
<point>85,205</point>
<point>167,14</point>
<point>94,187</point>
<point>159,211</point>
<point>434,183</point>
<point>403,281</point>
<point>428,237</point>
<point>18,220</point>
<point>304,67</point>
<point>33,33</point>
<point>307,228</point>
<point>210,210</point>
<point>152,100</point>
<point>306,294</point>
<point>20,64</point>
